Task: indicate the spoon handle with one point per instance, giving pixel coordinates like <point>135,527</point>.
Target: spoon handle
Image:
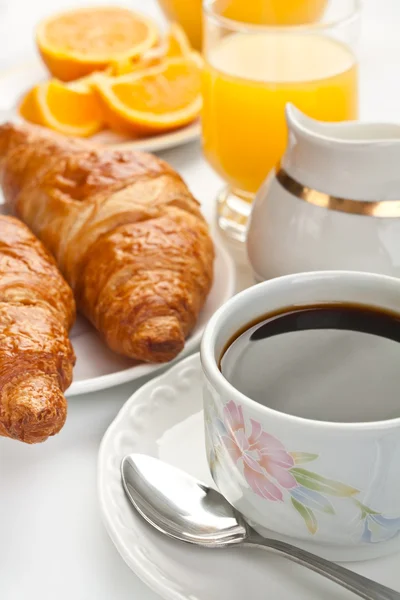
<point>362,586</point>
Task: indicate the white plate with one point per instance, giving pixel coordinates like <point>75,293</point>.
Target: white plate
<point>98,368</point>
<point>164,419</point>
<point>15,82</point>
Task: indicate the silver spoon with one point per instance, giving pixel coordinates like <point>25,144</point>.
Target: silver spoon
<point>185,509</point>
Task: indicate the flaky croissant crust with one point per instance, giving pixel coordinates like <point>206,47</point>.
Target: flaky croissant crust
<point>124,229</point>
<point>36,357</point>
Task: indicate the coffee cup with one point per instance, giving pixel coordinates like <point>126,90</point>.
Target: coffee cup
<point>328,481</point>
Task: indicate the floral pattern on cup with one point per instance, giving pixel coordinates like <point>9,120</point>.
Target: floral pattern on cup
<point>276,475</point>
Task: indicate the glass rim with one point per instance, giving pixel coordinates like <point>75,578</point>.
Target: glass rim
<point>243,27</point>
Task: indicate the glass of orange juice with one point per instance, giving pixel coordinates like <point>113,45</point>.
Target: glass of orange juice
<point>188,14</point>
<point>269,12</point>
<point>251,72</point>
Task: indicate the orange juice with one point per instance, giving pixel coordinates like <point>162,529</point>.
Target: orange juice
<point>272,12</point>
<point>248,80</point>
<point>188,14</point>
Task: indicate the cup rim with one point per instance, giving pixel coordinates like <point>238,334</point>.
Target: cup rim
<point>217,379</point>
<point>243,27</point>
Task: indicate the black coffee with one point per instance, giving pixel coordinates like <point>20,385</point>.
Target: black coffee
<point>331,362</point>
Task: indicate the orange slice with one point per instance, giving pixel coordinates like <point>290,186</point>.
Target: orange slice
<point>72,110</point>
<point>83,84</point>
<point>149,59</point>
<point>154,100</point>
<point>29,106</point>
<point>175,44</point>
<point>81,41</point>
<point>177,41</point>
<point>121,67</point>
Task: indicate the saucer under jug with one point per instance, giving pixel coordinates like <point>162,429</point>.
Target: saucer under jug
<point>333,203</point>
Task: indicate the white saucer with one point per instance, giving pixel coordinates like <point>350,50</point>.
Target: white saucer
<point>16,81</point>
<point>98,368</point>
<point>164,419</point>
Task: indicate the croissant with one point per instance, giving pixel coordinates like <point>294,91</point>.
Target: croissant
<point>36,357</point>
<point>125,231</point>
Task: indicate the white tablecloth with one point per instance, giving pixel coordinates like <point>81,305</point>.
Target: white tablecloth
<point>52,541</point>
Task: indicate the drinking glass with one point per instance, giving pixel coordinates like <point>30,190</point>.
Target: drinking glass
<point>251,72</point>
<point>269,12</point>
<point>188,14</point>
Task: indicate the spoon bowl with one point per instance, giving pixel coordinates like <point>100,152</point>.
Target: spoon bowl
<point>180,506</point>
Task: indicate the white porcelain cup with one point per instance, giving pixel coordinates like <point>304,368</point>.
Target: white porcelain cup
<point>333,487</point>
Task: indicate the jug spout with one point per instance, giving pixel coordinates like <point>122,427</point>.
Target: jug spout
<point>304,127</point>
<point>344,133</point>
<point>344,159</point>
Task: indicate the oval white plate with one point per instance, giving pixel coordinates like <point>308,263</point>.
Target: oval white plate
<point>98,368</point>
<point>15,82</point>
<point>164,419</point>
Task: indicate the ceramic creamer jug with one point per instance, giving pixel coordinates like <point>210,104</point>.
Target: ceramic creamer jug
<point>332,203</point>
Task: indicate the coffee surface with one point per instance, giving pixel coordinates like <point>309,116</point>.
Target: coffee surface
<point>330,362</point>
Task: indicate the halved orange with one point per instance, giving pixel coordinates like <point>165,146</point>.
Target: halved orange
<point>177,41</point>
<point>154,100</point>
<point>81,41</point>
<point>70,109</point>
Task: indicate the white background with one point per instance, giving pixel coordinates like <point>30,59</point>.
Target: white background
<point>52,541</point>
